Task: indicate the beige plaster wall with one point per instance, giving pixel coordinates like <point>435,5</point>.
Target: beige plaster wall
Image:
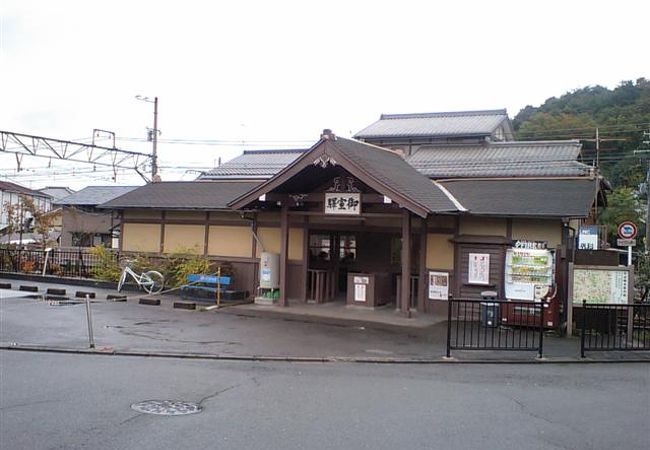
<point>184,238</point>
<point>141,237</point>
<point>538,230</point>
<point>440,251</point>
<point>483,226</point>
<point>271,239</point>
<point>230,241</point>
<point>295,243</point>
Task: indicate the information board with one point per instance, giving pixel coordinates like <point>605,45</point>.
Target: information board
<point>601,285</point>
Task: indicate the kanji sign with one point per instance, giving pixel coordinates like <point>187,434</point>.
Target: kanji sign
<point>627,230</point>
<point>339,203</point>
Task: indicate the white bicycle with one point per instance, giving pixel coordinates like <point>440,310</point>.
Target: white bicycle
<point>152,281</point>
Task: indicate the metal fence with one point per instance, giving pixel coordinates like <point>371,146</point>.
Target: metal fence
<point>613,327</point>
<point>76,263</point>
<point>498,325</point>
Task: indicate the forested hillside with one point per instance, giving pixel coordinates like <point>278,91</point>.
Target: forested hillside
<point>621,116</point>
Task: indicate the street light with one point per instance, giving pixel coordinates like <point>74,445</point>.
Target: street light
<point>154,155</point>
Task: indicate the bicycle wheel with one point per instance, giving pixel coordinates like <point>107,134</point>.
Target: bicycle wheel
<point>121,282</point>
<point>152,282</point>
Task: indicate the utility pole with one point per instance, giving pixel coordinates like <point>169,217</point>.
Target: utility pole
<point>154,156</point>
<point>153,135</point>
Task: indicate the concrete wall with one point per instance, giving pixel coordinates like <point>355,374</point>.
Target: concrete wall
<point>78,221</point>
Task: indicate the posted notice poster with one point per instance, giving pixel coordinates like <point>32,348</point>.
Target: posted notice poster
<point>479,268</point>
<point>438,286</point>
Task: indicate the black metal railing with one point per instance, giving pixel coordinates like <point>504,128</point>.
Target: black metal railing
<point>614,327</point>
<point>495,325</point>
<point>75,263</point>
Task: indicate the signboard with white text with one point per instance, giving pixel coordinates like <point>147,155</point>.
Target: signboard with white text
<point>479,268</point>
<point>343,204</point>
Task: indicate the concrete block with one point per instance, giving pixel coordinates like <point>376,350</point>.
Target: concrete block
<point>55,291</point>
<point>184,305</point>
<point>5,285</point>
<point>28,288</point>
<point>116,298</point>
<point>82,294</point>
<point>150,301</point>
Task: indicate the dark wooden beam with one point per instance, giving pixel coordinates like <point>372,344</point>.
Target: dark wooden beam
<point>423,276</point>
<point>162,233</point>
<point>405,294</point>
<point>284,249</point>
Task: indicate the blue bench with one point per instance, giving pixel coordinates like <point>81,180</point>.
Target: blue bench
<point>205,288</point>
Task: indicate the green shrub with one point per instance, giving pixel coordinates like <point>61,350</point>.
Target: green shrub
<point>107,267</point>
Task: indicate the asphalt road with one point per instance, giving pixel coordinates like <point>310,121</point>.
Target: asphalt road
<point>55,401</point>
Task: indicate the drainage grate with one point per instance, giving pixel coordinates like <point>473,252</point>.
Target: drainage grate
<point>166,407</point>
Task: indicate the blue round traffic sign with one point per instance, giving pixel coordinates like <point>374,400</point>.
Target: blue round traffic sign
<point>627,230</point>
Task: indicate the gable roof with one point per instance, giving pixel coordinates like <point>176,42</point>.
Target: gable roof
<point>383,170</point>
<point>184,195</point>
<point>254,164</point>
<point>8,186</point>
<point>564,198</point>
<point>441,124</point>
<point>94,195</point>
<point>57,192</point>
<point>501,159</point>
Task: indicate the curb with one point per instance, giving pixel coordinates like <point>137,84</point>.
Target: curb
<point>109,351</point>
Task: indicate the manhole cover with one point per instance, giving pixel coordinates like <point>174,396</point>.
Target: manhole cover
<point>166,407</point>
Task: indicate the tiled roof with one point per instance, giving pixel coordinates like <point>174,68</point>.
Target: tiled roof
<point>94,195</point>
<point>390,168</point>
<point>13,187</point>
<point>204,195</point>
<point>460,123</point>
<point>383,170</point>
<point>501,159</point>
<point>530,198</point>
<point>57,192</point>
<point>254,164</point>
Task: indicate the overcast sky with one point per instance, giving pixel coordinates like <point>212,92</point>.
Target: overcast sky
<point>260,72</point>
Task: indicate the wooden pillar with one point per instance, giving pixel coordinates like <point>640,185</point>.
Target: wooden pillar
<point>206,233</point>
<point>305,257</point>
<point>284,249</point>
<point>405,294</point>
<point>162,231</point>
<point>423,276</point>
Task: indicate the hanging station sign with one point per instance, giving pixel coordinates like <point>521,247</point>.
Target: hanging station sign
<point>343,203</point>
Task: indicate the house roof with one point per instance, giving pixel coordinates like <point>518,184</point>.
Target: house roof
<point>254,164</point>
<point>186,195</point>
<point>383,170</point>
<point>57,192</point>
<point>459,123</point>
<point>569,198</point>
<point>94,195</point>
<point>8,186</point>
<point>501,159</point>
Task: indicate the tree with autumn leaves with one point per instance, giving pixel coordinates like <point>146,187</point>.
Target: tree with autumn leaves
<point>29,218</point>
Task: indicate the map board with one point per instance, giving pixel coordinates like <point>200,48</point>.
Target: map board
<point>599,284</point>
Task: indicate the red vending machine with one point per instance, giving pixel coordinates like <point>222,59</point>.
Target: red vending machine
<point>529,277</point>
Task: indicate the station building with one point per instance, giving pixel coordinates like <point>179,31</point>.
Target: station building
<point>409,196</point>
